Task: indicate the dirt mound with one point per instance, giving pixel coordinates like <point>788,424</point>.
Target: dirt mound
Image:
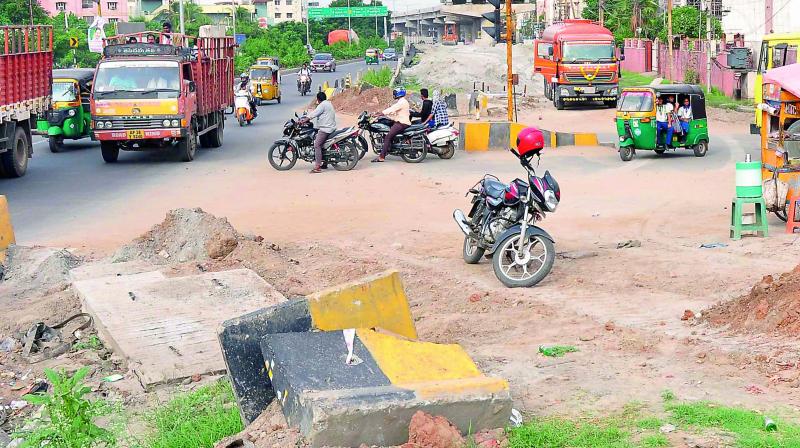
<point>267,431</point>
<point>772,306</point>
<point>184,235</point>
<point>372,100</point>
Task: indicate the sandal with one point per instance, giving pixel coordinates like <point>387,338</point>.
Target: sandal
<point>378,159</point>
<point>315,171</point>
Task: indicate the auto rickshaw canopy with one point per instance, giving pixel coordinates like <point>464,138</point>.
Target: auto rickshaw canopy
<point>269,60</point>
<point>83,76</point>
<point>694,92</point>
<point>262,72</point>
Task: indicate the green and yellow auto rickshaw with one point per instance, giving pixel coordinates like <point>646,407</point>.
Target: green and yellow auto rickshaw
<point>637,123</point>
<point>70,114</point>
<point>371,56</point>
<point>264,84</point>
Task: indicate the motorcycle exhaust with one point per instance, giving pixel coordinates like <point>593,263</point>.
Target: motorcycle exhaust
<point>461,220</point>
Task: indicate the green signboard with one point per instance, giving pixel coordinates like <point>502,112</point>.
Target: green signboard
<point>360,11</point>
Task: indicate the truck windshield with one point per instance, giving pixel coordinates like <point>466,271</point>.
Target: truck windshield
<point>64,91</point>
<point>593,52</point>
<point>137,79</point>
<point>635,101</point>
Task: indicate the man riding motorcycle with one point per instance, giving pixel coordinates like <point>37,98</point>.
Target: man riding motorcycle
<point>304,72</point>
<point>400,113</point>
<point>245,85</point>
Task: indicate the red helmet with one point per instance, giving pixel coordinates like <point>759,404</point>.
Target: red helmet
<point>530,142</point>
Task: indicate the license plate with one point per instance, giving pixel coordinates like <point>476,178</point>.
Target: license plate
<point>135,135</point>
<point>589,90</point>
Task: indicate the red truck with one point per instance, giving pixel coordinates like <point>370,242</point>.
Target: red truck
<point>163,91</point>
<point>26,71</point>
<point>578,61</point>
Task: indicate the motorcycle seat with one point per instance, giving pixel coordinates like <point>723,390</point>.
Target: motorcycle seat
<point>494,189</point>
<point>337,132</point>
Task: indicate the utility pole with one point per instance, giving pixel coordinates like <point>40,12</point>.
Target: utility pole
<point>30,10</point>
<point>600,11</point>
<point>509,57</point>
<point>669,40</point>
<point>709,45</point>
<point>349,26</point>
<point>180,18</point>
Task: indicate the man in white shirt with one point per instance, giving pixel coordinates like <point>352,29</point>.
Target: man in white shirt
<point>304,73</point>
<point>400,113</point>
<point>685,116</point>
<point>663,122</point>
<point>325,117</point>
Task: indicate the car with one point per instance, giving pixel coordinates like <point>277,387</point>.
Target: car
<point>323,61</point>
<point>389,54</point>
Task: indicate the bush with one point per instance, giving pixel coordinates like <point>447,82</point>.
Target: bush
<point>379,78</point>
<point>691,77</point>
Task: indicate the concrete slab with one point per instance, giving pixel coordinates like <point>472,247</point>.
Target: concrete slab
<point>101,269</point>
<point>372,401</point>
<point>166,327</point>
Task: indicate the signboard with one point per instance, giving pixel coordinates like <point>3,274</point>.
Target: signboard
<point>139,49</point>
<point>96,34</point>
<point>360,11</point>
<point>73,42</point>
<point>240,38</point>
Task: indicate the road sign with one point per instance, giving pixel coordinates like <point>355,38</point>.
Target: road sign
<point>73,42</point>
<point>240,38</point>
<point>360,11</point>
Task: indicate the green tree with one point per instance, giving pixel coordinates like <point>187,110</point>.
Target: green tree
<point>690,22</point>
<point>627,18</point>
<point>18,12</point>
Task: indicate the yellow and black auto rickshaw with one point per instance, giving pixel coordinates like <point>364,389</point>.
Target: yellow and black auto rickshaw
<point>264,84</point>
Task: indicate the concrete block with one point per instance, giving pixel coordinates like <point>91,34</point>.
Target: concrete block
<point>372,401</point>
<point>499,135</point>
<point>101,269</point>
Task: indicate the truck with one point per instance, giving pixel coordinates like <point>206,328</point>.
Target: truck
<point>26,67</point>
<point>578,61</point>
<point>162,91</point>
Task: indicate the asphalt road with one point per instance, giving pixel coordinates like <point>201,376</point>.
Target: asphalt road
<point>59,188</point>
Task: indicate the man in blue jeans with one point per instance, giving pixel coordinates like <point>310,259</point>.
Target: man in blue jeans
<point>663,122</point>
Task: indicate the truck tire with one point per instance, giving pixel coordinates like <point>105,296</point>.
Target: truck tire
<point>214,138</point>
<point>547,90</point>
<point>56,144</point>
<point>187,148</point>
<point>15,161</point>
<point>557,101</point>
<point>110,151</point>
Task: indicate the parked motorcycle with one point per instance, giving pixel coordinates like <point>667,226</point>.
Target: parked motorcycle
<point>304,84</point>
<point>412,145</point>
<point>340,150</point>
<point>502,225</point>
<point>444,141</point>
<point>242,103</point>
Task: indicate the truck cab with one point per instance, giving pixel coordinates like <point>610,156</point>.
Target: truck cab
<point>577,59</point>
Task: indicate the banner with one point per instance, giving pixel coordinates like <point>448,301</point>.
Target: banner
<point>96,34</point>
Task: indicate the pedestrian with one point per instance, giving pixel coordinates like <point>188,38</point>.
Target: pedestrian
<point>425,114</point>
<point>399,112</point>
<point>440,115</point>
<point>663,121</point>
<point>325,116</point>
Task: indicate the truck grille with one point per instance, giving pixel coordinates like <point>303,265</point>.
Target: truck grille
<point>601,77</point>
<point>138,124</point>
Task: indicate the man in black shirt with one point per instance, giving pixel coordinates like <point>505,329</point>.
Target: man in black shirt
<point>426,114</point>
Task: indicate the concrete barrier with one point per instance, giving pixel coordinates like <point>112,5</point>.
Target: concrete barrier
<point>6,229</point>
<point>502,135</point>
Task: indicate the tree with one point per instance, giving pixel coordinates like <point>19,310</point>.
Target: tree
<point>691,22</point>
<point>627,18</point>
<point>18,12</point>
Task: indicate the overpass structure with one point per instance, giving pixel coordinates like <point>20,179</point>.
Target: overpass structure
<point>430,22</point>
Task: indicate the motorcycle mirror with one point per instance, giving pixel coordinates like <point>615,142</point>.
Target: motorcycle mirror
<point>295,114</point>
<point>514,151</point>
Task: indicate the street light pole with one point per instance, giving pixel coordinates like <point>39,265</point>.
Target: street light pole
<point>349,26</point>
<point>180,15</point>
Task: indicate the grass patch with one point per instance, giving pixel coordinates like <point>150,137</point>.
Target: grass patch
<point>715,98</point>
<point>558,433</point>
<point>378,78</point>
<point>649,423</point>
<point>633,79</point>
<point>92,343</point>
<point>197,419</point>
<point>556,351</point>
<point>746,426</point>
<point>667,395</point>
<point>654,441</point>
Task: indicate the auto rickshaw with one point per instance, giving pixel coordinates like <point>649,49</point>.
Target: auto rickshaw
<point>264,84</point>
<point>371,56</point>
<point>70,114</point>
<point>780,137</point>
<point>636,120</point>
<point>271,61</point>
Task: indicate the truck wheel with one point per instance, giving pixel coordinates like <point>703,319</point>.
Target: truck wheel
<point>214,138</point>
<point>15,161</point>
<point>110,151</point>
<point>610,104</point>
<point>187,148</point>
<point>56,144</point>
<point>557,101</point>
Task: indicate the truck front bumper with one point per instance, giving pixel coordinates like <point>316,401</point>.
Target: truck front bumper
<point>595,92</point>
<point>138,134</point>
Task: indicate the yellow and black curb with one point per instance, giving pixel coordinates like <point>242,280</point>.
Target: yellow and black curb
<point>296,352</point>
<point>6,229</point>
<point>485,136</point>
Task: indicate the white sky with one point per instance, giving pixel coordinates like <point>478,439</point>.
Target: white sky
<point>411,4</point>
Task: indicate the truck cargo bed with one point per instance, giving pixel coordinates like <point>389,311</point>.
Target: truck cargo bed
<point>26,64</point>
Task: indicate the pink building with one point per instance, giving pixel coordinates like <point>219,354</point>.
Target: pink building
<point>113,10</point>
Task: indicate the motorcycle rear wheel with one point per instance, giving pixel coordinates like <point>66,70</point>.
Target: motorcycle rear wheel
<point>281,156</point>
<point>449,151</point>
<point>471,252</point>
<point>417,157</point>
<point>517,275</point>
<point>349,150</point>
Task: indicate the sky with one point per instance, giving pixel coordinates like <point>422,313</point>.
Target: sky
<point>411,4</point>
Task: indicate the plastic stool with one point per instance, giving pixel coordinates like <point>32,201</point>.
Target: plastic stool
<point>760,226</point>
<point>791,212</point>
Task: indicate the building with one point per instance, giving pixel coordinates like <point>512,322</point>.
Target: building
<point>221,14</point>
<point>285,10</point>
<point>114,10</point>
<point>755,18</point>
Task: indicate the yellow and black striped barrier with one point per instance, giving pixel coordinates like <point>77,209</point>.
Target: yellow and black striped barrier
<point>485,136</point>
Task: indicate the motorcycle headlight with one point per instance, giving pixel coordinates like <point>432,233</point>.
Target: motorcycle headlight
<point>165,123</point>
<point>175,123</point>
<point>71,112</point>
<point>109,124</point>
<point>550,200</point>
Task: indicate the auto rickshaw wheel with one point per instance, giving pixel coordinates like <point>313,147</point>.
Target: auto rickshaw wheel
<point>279,100</point>
<point>626,153</point>
<point>660,151</point>
<point>56,144</point>
<point>701,148</point>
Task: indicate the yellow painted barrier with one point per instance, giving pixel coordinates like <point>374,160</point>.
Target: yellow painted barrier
<point>376,301</point>
<point>476,136</point>
<point>6,229</point>
<point>329,92</point>
<point>586,140</point>
<point>513,133</point>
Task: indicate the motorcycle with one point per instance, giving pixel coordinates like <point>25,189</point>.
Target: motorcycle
<point>242,104</point>
<point>339,150</point>
<point>444,141</point>
<point>502,225</point>
<point>304,84</point>
<point>412,144</point>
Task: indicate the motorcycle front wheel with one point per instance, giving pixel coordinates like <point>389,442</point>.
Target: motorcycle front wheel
<point>363,147</point>
<point>282,157</point>
<point>523,268</point>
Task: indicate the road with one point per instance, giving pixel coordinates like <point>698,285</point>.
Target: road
<point>59,189</point>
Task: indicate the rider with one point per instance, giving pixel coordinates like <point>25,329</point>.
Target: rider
<point>425,115</point>
<point>304,71</point>
<point>245,85</point>
<point>325,115</point>
<point>399,112</point>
